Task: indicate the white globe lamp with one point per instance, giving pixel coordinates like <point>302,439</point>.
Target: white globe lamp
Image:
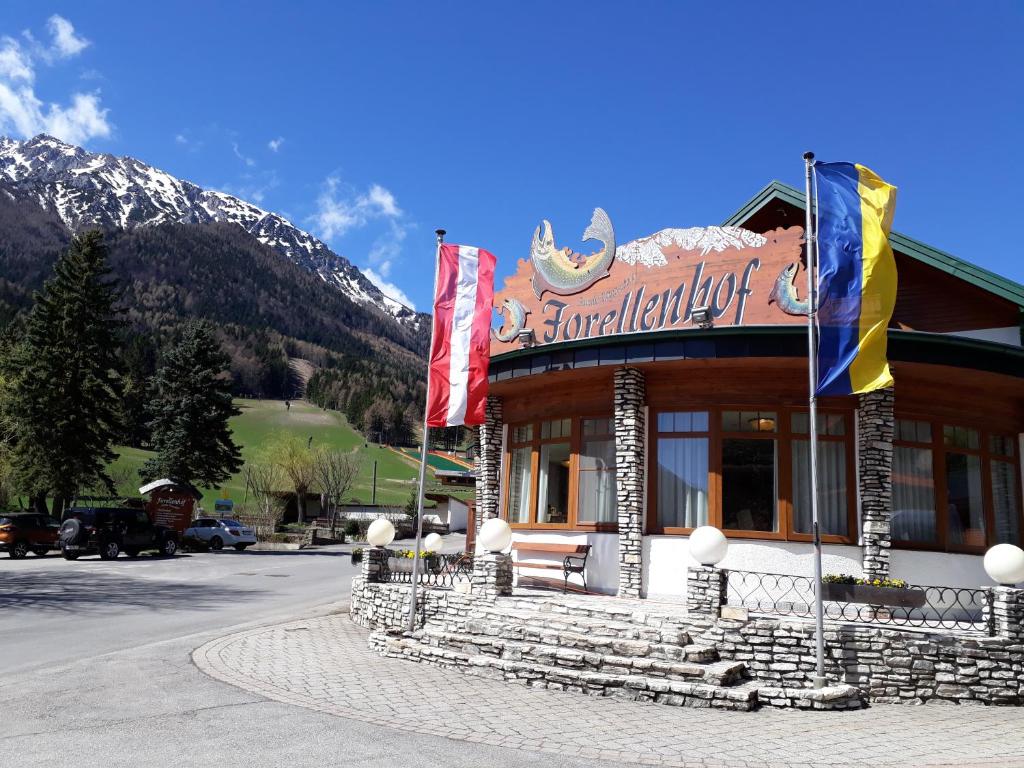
<point>1004,564</point>
<point>495,535</point>
<point>380,533</point>
<point>432,542</point>
<point>708,545</point>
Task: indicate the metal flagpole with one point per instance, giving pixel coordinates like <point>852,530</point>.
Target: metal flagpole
<point>423,451</point>
<point>811,239</point>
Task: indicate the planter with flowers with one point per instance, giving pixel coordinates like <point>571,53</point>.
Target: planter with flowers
<point>840,588</point>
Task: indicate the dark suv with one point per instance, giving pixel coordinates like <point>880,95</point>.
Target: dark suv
<point>24,532</point>
<point>109,531</point>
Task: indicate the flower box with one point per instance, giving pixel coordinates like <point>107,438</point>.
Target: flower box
<point>872,595</point>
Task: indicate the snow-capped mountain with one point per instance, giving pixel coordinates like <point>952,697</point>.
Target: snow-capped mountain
<point>89,189</point>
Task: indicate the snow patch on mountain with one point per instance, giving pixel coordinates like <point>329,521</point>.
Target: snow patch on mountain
<point>90,189</point>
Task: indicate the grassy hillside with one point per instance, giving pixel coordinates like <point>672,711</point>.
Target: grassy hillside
<point>261,420</point>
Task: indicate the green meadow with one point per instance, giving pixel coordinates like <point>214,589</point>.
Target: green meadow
<point>263,421</point>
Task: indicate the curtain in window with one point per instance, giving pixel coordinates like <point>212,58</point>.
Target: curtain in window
<point>1004,502</point>
<point>832,511</point>
<point>596,502</point>
<point>553,483</point>
<point>682,482</point>
<point>519,486</point>
<point>913,495</point>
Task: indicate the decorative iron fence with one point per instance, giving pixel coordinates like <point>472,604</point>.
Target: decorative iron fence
<point>440,571</point>
<point>954,608</point>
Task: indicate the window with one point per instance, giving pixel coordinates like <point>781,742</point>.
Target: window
<point>561,473</point>
<point>596,496</point>
<point>833,492</point>
<point>955,487</point>
<point>682,469</point>
<point>749,471</point>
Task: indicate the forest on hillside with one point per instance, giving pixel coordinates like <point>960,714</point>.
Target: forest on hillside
<point>265,310</point>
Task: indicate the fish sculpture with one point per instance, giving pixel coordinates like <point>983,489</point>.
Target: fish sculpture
<point>564,272</point>
<point>515,320</point>
<point>784,292</point>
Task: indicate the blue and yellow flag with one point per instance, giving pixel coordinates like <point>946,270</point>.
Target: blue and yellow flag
<point>856,278</point>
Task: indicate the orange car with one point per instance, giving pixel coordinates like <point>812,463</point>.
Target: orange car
<point>24,532</point>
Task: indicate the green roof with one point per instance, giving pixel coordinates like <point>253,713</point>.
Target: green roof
<point>933,257</point>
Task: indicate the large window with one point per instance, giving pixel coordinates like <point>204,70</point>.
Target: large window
<point>747,471</point>
<point>954,487</point>
<point>561,474</point>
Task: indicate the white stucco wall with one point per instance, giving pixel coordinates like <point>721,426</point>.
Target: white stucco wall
<point>602,565</point>
<point>938,569</point>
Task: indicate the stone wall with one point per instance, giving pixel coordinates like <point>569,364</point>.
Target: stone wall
<point>630,393</point>
<point>875,427</point>
<point>488,462</point>
<point>888,664</point>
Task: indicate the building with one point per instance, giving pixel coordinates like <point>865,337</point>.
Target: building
<point>661,384</point>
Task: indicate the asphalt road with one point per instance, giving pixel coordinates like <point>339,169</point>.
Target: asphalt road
<point>95,668</point>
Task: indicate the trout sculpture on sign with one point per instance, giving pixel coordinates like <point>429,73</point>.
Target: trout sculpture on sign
<point>652,283</point>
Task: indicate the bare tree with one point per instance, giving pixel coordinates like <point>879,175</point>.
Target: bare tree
<point>296,461</point>
<point>263,484</point>
<point>335,473</point>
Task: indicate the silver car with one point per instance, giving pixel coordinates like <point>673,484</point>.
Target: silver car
<point>216,533</point>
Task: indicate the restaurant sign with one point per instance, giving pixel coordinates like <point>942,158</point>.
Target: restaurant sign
<point>654,283</point>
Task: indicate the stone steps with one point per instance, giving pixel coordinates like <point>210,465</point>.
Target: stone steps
<point>596,654</point>
<point>635,687</point>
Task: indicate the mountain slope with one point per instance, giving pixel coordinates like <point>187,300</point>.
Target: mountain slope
<point>86,189</point>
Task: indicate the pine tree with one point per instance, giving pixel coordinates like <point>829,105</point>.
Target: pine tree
<point>190,410</point>
<point>64,391</point>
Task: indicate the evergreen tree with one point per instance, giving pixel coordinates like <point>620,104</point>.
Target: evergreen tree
<point>191,406</point>
<point>64,391</point>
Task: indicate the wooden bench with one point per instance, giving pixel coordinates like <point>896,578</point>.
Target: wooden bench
<point>574,560</point>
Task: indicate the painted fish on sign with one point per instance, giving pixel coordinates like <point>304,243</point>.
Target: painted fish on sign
<point>652,283</point>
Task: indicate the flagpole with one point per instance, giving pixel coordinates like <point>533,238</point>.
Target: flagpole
<point>810,237</point>
<point>423,451</point>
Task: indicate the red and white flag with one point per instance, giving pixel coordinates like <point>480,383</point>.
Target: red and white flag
<point>460,348</point>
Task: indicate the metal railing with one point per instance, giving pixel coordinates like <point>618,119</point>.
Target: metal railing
<point>439,571</point>
<point>953,608</point>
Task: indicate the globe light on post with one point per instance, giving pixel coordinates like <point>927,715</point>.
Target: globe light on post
<point>708,545</point>
<point>1004,563</point>
<point>495,535</point>
<point>380,533</point>
<point>432,543</point>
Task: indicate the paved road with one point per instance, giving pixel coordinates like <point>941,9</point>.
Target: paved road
<point>96,669</point>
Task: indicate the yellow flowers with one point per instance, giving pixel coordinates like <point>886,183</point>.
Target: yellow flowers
<point>842,578</point>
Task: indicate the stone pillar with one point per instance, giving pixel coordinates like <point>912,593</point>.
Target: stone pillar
<point>492,576</point>
<point>875,427</point>
<point>705,590</point>
<point>488,462</point>
<point>1008,613</point>
<point>630,464</point>
<point>374,564</point>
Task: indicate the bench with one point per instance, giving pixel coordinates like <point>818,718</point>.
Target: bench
<point>574,562</point>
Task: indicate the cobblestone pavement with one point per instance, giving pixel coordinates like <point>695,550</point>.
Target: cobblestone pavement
<point>323,664</point>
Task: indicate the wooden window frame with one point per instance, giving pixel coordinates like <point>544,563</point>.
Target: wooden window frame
<point>574,440</point>
<point>783,437</point>
<point>939,450</point>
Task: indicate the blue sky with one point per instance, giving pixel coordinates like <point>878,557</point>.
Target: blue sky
<point>372,124</point>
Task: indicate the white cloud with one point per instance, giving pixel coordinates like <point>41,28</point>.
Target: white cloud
<point>23,113</point>
<point>65,42</point>
<point>390,290</point>
<point>249,162</point>
<point>180,139</point>
<point>387,248</point>
<point>341,209</point>
<point>275,144</point>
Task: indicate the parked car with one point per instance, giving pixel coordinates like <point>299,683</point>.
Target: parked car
<point>24,532</point>
<point>216,533</point>
<point>109,531</point>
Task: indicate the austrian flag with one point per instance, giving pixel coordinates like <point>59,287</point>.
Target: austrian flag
<point>460,348</point>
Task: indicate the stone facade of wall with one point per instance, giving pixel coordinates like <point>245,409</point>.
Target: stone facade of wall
<point>705,589</point>
<point>488,462</point>
<point>875,427</point>
<point>492,576</point>
<point>630,464</point>
<point>889,665</point>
